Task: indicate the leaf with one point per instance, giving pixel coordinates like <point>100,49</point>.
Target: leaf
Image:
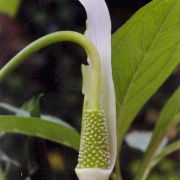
<point>145,51</point>
<point>4,157</point>
<point>9,7</point>
<point>15,110</point>
<point>1,174</point>
<point>168,119</point>
<point>23,113</point>
<point>169,116</point>
<point>168,150</point>
<point>33,106</point>
<point>47,129</point>
<point>56,120</point>
<point>141,139</point>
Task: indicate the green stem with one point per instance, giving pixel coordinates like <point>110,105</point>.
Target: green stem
<point>2,177</point>
<point>119,145</point>
<point>168,150</point>
<point>147,164</point>
<point>117,168</point>
<point>54,38</point>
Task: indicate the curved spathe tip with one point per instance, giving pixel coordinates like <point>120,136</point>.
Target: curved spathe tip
<point>93,174</point>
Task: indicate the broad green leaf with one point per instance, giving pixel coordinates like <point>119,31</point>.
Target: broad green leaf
<point>145,51</point>
<point>9,7</point>
<point>168,119</point>
<point>43,128</point>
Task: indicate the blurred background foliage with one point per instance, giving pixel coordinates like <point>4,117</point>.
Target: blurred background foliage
<point>55,72</point>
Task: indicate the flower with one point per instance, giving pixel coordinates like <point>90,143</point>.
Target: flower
<point>99,32</point>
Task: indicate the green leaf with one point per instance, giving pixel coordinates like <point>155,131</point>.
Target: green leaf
<point>168,119</point>
<point>23,113</point>
<point>145,51</point>
<point>169,116</point>
<point>13,109</point>
<point>2,177</point>
<point>43,128</point>
<point>33,106</point>
<point>9,7</point>
<point>168,150</point>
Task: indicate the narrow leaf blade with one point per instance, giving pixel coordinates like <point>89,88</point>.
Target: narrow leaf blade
<point>168,150</point>
<point>170,114</point>
<point>13,109</point>
<point>42,128</point>
<point>168,118</point>
<point>22,113</point>
<point>9,7</point>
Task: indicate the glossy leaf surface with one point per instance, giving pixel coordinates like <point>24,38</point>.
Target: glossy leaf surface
<point>145,52</point>
<point>43,128</point>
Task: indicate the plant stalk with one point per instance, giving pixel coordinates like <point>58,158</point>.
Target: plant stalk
<point>145,166</point>
<point>118,169</point>
<point>52,38</point>
<point>2,177</point>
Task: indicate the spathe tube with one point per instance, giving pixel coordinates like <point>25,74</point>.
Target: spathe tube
<point>99,32</point>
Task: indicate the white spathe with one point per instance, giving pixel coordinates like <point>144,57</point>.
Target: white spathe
<point>99,32</point>
<point>93,174</point>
